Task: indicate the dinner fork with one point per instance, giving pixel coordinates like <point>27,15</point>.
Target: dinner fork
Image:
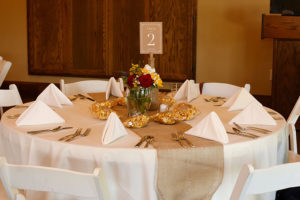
<point>70,135</point>
<point>181,137</point>
<point>77,133</point>
<point>149,141</point>
<point>86,132</point>
<point>177,139</point>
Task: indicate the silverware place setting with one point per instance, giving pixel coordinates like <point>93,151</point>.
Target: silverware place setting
<point>81,96</point>
<point>244,133</point>
<point>58,128</point>
<point>149,139</point>
<point>240,133</point>
<point>272,113</point>
<point>13,116</point>
<point>260,130</point>
<point>21,106</point>
<point>75,135</point>
<point>188,142</point>
<point>176,138</point>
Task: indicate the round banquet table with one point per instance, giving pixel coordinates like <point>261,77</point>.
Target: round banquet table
<point>131,172</point>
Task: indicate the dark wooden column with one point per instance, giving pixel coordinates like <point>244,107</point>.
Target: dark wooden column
<point>285,30</point>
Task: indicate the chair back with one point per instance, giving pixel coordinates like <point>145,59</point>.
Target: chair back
<point>4,68</point>
<point>247,87</point>
<point>1,58</point>
<point>219,89</point>
<point>89,86</point>
<point>10,97</point>
<point>47,179</point>
<point>259,181</point>
<point>291,121</point>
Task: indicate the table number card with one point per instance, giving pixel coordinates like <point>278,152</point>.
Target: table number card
<point>151,38</point>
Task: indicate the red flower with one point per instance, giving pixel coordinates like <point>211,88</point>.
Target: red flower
<point>146,80</point>
<point>130,80</point>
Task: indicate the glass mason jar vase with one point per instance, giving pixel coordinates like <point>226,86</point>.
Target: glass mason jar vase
<point>138,101</point>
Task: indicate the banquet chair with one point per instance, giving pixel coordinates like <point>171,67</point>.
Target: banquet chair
<point>1,58</point>
<point>221,89</point>
<point>4,68</point>
<point>37,178</point>
<point>9,97</point>
<point>89,86</point>
<point>259,181</point>
<point>291,121</point>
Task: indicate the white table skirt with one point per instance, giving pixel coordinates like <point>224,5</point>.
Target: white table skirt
<point>131,172</point>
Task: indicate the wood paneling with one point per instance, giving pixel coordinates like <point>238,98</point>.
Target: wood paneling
<point>124,21</point>
<point>285,30</point>
<point>46,52</point>
<point>284,27</point>
<point>286,75</point>
<point>98,38</point>
<point>176,62</point>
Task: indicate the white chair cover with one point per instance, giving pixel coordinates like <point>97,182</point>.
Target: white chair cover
<point>221,89</point>
<point>89,86</point>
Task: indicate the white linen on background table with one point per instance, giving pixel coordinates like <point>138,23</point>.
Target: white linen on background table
<point>131,172</point>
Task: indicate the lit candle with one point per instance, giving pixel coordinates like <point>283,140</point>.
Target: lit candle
<point>163,108</point>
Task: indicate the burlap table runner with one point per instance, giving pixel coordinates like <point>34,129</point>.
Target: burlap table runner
<point>183,173</point>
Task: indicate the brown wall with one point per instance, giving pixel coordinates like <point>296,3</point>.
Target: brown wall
<point>229,48</point>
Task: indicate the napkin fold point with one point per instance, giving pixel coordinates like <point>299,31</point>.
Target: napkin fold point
<point>240,100</point>
<point>113,88</point>
<point>113,129</point>
<point>52,96</point>
<point>210,128</point>
<point>189,90</point>
<point>254,114</point>
<point>39,113</point>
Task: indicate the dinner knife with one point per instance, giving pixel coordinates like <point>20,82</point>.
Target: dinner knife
<point>240,134</point>
<point>48,130</point>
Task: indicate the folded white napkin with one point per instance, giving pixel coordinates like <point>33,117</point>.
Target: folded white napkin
<point>240,100</point>
<point>210,128</point>
<point>113,129</point>
<point>189,90</point>
<point>39,113</point>
<point>121,83</point>
<point>254,114</point>
<point>52,96</point>
<point>113,87</point>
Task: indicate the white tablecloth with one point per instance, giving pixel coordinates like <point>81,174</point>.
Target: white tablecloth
<point>131,172</point>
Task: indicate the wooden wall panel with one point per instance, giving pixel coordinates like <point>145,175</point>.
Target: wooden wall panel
<point>45,35</point>
<point>124,21</point>
<point>98,38</point>
<point>176,62</point>
<point>88,35</point>
<point>286,87</point>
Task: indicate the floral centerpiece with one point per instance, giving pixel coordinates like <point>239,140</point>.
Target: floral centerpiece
<point>140,81</point>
